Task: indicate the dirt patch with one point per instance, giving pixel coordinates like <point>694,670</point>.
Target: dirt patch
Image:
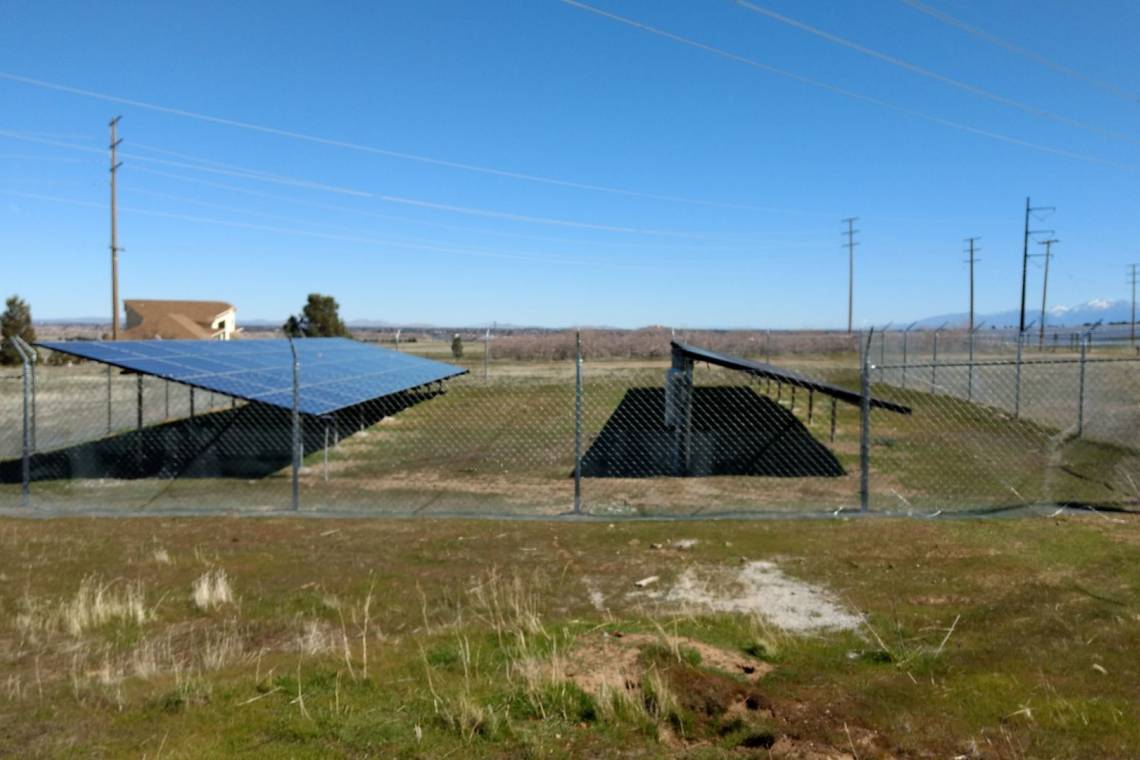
<point>758,588</point>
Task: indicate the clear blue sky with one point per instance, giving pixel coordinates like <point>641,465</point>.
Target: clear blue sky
<point>541,88</point>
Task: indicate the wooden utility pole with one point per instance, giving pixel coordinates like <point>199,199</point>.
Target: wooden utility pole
<point>114,232</point>
<point>1045,289</point>
<point>851,270</point>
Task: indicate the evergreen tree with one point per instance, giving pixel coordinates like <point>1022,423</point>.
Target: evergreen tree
<point>320,318</point>
<point>16,321</point>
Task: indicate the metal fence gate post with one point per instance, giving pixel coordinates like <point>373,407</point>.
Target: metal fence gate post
<point>296,420</point>
<point>577,423</point>
<point>865,426</point>
<point>25,459</point>
<point>1081,391</point>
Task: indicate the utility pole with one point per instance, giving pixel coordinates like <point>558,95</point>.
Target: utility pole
<point>1132,280</point>
<point>114,231</point>
<point>850,269</point>
<point>971,261</point>
<point>1025,255</point>
<point>970,372</point>
<point>1045,288</point>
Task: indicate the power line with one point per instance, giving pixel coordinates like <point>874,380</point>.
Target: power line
<point>704,250</point>
<point>949,20</point>
<point>256,175</point>
<point>317,139</point>
<point>849,93</point>
<point>921,71</point>
<point>328,236</point>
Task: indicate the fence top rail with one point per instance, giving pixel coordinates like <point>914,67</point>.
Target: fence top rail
<point>1011,362</point>
<point>763,369</point>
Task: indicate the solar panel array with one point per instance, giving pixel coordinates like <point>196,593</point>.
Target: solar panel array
<point>335,373</point>
<point>763,369</point>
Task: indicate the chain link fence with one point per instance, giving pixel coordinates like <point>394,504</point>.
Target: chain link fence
<point>544,425</point>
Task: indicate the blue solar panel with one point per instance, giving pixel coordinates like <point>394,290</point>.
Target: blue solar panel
<point>335,372</point>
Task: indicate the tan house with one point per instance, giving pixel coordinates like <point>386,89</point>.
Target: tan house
<point>180,320</point>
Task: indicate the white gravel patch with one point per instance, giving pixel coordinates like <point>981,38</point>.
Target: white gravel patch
<point>759,588</point>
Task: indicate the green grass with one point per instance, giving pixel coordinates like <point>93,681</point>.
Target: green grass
<point>1004,638</point>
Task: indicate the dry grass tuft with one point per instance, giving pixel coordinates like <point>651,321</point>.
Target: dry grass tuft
<point>94,604</point>
<point>212,589</point>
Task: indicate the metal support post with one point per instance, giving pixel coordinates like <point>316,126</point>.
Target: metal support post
<point>191,401</point>
<point>577,423</point>
<point>865,428</point>
<point>793,406</point>
<point>296,415</point>
<point>326,449</point>
<point>811,404</point>
<point>109,421</point>
<point>833,419</point>
<point>166,399</point>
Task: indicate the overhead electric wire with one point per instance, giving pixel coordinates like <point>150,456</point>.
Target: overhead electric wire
<point>254,174</point>
<point>327,236</point>
<point>921,71</point>
<point>294,135</point>
<point>847,93</point>
<point>462,228</point>
<point>993,39</point>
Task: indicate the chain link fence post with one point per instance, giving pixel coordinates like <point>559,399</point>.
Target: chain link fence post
<point>296,420</point>
<point>1081,389</point>
<point>487,356</point>
<point>26,454</point>
<point>1017,378</point>
<point>934,366</point>
<point>865,423</point>
<point>578,423</point>
<point>110,425</point>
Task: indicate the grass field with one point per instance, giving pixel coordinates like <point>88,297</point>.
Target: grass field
<point>203,637</point>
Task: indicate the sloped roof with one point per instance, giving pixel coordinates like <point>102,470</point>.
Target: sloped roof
<point>174,320</point>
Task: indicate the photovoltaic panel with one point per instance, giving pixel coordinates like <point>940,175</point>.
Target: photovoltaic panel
<point>334,372</point>
<point>763,369</point>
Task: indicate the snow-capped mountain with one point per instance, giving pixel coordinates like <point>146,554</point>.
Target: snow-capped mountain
<point>1061,316</point>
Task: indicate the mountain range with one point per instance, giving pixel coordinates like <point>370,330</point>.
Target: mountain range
<point>1057,316</point>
